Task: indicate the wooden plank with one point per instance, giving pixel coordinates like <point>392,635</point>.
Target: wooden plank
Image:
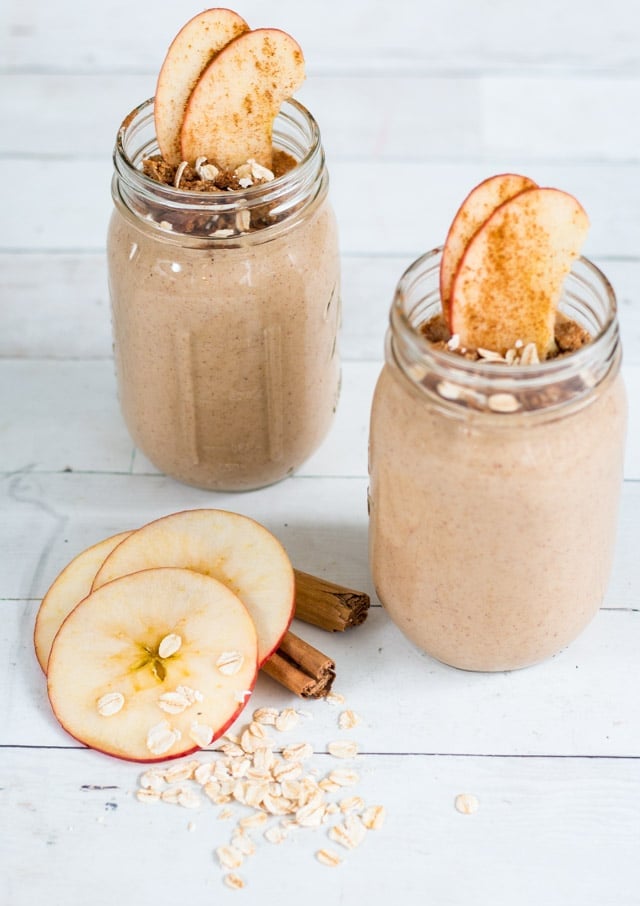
<point>364,116</point>
<point>345,37</point>
<point>73,286</point>
<point>577,703</point>
<point>610,193</point>
<point>554,831</point>
<point>81,396</point>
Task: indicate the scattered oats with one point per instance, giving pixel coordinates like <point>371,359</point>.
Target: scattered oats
<point>255,820</point>
<point>225,813</point>
<point>490,355</point>
<point>243,221</point>
<point>232,749</point>
<point>343,748</point>
<point>222,234</point>
<point>152,780</point>
<point>276,834</point>
<point>212,790</point>
<point>161,737</point>
<point>240,767</point>
<point>204,170</point>
<point>466,804</point>
<point>263,759</point>
<point>290,789</point>
<point>454,342</point>
<point>503,402</point>
<point>299,751</point>
<point>243,842</point>
<point>343,777</point>
<point>229,856</point>
<point>328,857</point>
<point>188,798</point>
<point>192,694</point>
<point>201,734</point>
<point>203,773</point>
<point>329,786</point>
<point>172,794</point>
<point>373,817</point>
<point>332,808</point>
<point>276,805</point>
<point>147,795</point>
<point>348,720</point>
<point>173,702</point>
<point>170,645</point>
<point>179,173</point>
<point>265,716</point>
<point>245,182</point>
<point>260,172</point>
<point>351,804</point>
<point>287,719</point>
<point>448,391</point>
<point>230,662</point>
<point>177,773</point>
<point>334,698</point>
<point>165,225</point>
<point>110,703</point>
<point>311,814</point>
<point>286,770</point>
<point>529,355</point>
<point>350,834</point>
<point>234,881</point>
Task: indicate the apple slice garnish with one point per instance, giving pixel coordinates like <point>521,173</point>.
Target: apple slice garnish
<point>68,589</point>
<point>234,549</point>
<point>189,54</point>
<point>477,207</point>
<point>230,113</point>
<point>153,665</point>
<point>509,282</point>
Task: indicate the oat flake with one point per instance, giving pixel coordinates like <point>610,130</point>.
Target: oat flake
<point>110,703</point>
<point>466,804</point>
<point>343,748</point>
<point>169,645</point>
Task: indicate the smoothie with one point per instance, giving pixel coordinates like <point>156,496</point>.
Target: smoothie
<point>494,489</point>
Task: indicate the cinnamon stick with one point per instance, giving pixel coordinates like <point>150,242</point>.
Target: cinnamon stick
<point>328,605</point>
<point>301,668</point>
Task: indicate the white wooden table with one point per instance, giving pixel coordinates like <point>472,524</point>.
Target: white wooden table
<point>418,101</point>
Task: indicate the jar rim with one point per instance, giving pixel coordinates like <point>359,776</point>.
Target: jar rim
<point>400,320</point>
<point>464,383</point>
<point>306,167</point>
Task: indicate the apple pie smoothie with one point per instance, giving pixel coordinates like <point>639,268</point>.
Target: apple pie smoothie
<point>225,311</point>
<point>494,487</point>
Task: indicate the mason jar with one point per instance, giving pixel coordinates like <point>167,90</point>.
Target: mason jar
<point>225,312</point>
<point>494,488</point>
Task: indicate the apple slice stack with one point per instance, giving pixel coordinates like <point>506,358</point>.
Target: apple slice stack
<point>220,88</point>
<point>152,639</point>
<point>504,262</point>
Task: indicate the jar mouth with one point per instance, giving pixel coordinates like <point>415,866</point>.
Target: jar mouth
<point>587,298</point>
<point>295,131</point>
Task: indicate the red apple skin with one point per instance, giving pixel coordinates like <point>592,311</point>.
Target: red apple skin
<point>155,759</point>
<point>475,210</point>
<point>228,25</point>
<point>289,619</point>
<point>580,225</point>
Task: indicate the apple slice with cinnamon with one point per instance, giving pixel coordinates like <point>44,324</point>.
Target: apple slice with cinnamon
<point>230,113</point>
<point>153,665</point>
<point>509,281</point>
<point>236,550</point>
<point>189,54</point>
<point>477,207</point>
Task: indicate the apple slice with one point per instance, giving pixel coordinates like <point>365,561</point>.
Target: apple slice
<point>229,116</point>
<point>232,548</point>
<point>477,207</point>
<point>509,282</point>
<point>153,665</point>
<point>189,54</point>
<point>68,589</point>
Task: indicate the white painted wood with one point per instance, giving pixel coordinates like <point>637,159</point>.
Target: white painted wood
<point>547,831</point>
<point>418,101</point>
<point>62,292</point>
<point>82,395</point>
<point>371,219</point>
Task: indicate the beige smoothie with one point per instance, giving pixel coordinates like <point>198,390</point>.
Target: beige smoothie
<point>225,319</point>
<point>493,506</point>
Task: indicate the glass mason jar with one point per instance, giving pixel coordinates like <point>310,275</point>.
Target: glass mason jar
<point>225,312</point>
<point>494,489</point>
